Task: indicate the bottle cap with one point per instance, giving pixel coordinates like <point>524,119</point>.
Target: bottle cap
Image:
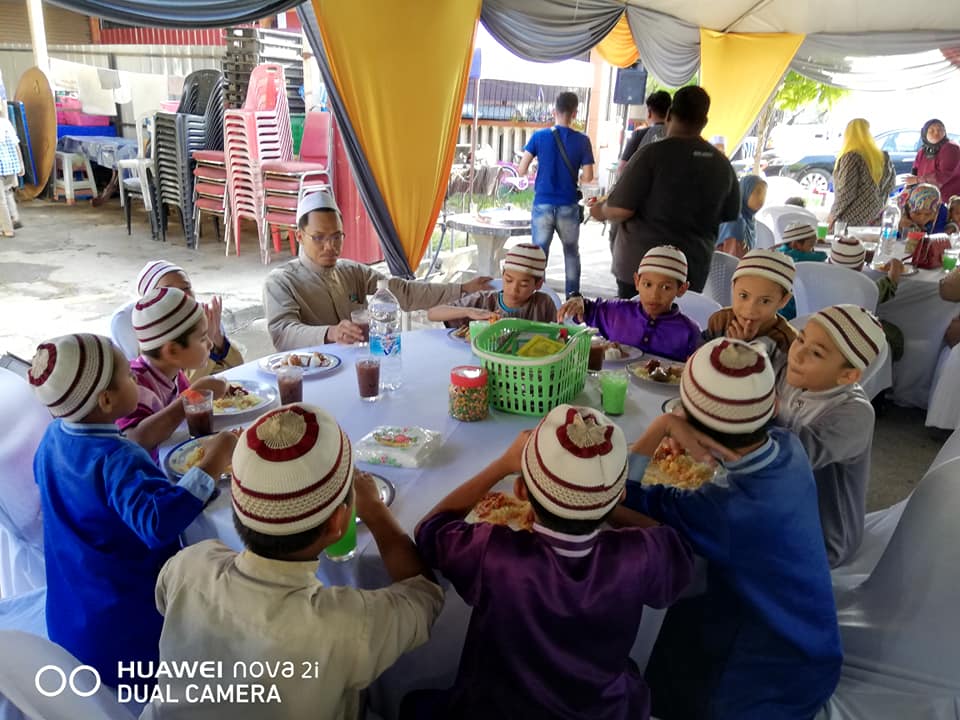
<point>382,283</point>
<point>468,376</point>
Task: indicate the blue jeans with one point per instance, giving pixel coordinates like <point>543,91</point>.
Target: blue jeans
<point>565,219</point>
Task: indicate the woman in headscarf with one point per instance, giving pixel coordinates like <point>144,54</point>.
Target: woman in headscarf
<point>921,210</point>
<point>740,236</point>
<point>862,177</point>
<point>938,159</point>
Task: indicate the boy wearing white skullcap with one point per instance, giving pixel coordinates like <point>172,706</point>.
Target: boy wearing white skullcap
<point>110,516</point>
<point>309,300</point>
<point>171,329</point>
<point>524,268</point>
<point>293,490</point>
<point>652,321</point>
<point>757,526</point>
<point>569,588</point>
<point>762,286</point>
<point>799,239</point>
<point>161,273</point>
<point>822,402</point>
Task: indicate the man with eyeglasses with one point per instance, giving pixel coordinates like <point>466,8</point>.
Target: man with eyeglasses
<point>309,299</point>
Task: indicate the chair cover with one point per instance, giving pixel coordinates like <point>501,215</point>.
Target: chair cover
<point>898,628</point>
<point>720,278</point>
<point>21,524</point>
<point>765,237</point>
<point>697,307</point>
<point>943,409</point>
<point>819,285</point>
<point>121,331</point>
<point>779,216</point>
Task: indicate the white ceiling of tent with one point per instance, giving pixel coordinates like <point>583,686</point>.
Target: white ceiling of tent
<point>810,16</point>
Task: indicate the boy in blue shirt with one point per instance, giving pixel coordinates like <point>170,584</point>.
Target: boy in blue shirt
<point>762,642</point>
<point>560,151</point>
<point>110,517</point>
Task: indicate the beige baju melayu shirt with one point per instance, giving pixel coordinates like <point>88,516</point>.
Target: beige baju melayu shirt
<point>303,300</point>
<point>243,609</point>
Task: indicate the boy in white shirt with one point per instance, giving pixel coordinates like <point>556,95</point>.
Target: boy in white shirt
<point>293,491</point>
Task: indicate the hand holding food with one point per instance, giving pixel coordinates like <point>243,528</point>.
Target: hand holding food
<point>571,308</point>
<point>217,385</point>
<point>683,437</point>
<point>367,495</point>
<point>217,453</point>
<point>895,270</point>
<point>480,314</point>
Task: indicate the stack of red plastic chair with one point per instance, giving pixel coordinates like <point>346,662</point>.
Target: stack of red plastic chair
<point>210,191</point>
<point>258,132</point>
<point>285,183</point>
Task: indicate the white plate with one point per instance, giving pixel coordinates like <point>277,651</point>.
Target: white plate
<point>670,405</point>
<point>175,463</point>
<point>267,394</point>
<point>632,354</point>
<point>465,340</point>
<point>270,363</point>
<point>647,382</point>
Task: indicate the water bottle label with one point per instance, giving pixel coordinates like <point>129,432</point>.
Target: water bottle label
<point>390,344</point>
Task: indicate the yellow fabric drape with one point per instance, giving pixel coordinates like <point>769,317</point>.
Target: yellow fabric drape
<point>741,71</point>
<point>618,48</point>
<point>402,69</point>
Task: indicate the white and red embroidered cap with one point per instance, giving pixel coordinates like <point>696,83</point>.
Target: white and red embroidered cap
<point>847,252</point>
<point>162,315</point>
<point>526,258</point>
<point>291,470</point>
<point>856,331</point>
<point>575,463</point>
<point>68,373</point>
<point>666,260</point>
<point>152,272</point>
<point>769,264</point>
<point>729,387</point>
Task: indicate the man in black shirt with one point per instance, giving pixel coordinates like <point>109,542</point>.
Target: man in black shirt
<point>658,105</point>
<point>673,192</point>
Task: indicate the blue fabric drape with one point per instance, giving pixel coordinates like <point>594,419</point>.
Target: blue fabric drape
<point>178,13</point>
<point>372,199</point>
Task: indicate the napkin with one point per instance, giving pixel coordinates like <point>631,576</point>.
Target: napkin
<point>397,446</point>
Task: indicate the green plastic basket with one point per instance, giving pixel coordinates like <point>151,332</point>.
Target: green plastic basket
<point>531,386</point>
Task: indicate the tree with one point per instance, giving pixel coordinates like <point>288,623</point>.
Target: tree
<point>795,93</point>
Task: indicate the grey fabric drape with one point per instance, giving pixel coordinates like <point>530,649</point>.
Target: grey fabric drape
<point>366,184</point>
<point>549,31</point>
<point>669,48</point>
<point>178,13</point>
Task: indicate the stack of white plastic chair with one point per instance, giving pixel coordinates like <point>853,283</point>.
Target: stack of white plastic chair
<point>898,627</point>
<point>21,527</point>
<point>720,278</point>
<point>697,307</point>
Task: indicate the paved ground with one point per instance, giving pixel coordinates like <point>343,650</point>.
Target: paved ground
<point>69,268</point>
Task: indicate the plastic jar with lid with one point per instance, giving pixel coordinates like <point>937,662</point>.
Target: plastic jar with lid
<point>469,399</point>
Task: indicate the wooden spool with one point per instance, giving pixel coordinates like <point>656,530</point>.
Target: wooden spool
<point>37,98</point>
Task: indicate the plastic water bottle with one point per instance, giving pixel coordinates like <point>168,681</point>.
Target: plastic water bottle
<point>385,335</point>
<point>889,229</point>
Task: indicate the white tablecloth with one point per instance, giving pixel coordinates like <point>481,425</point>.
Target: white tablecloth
<point>428,356</point>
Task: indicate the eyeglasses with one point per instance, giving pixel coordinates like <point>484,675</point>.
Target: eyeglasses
<point>335,239</point>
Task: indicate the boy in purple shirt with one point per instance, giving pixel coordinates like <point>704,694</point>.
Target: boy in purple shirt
<point>556,610</point>
<point>655,323</point>
<point>172,331</point>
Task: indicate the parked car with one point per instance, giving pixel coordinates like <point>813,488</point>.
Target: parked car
<point>815,172</point>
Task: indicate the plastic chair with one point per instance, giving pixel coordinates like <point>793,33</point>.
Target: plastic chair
<point>877,377</point>
<point>121,331</point>
<point>777,217</point>
<point>900,656</point>
<point>22,565</point>
<point>818,285</point>
<point>720,278</point>
<point>135,172</point>
<point>765,237</point>
<point>19,678</point>
<point>67,166</point>
<point>943,408</point>
<point>698,307</point>
<point>316,147</point>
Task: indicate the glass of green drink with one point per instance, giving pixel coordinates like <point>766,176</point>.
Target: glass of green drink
<point>346,547</point>
<point>613,391</point>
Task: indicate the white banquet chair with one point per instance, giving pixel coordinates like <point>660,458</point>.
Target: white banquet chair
<point>697,307</point>
<point>900,653</point>
<point>877,377</point>
<point>720,278</point>
<point>943,408</point>
<point>121,330</point>
<point>819,285</point>
<point>765,237</point>
<point>779,216</point>
<point>22,566</point>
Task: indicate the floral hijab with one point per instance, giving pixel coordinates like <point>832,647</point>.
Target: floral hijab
<point>920,198</point>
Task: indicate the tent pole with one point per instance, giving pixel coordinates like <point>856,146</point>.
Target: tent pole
<point>38,35</point>
<point>475,145</point>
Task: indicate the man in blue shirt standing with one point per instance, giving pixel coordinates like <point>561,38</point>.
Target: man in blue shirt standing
<point>560,151</point>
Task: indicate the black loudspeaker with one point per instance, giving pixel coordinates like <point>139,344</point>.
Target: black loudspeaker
<point>631,86</point>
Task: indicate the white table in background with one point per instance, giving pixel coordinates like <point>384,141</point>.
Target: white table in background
<point>491,230</point>
<point>428,356</point>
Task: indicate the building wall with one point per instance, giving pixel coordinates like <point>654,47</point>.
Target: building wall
<point>63,26</point>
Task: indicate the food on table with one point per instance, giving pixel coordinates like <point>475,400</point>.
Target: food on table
<point>237,398</point>
<point>498,508</point>
<point>658,372</point>
<point>670,467</point>
<point>313,359</point>
<point>462,332</point>
<point>614,352</point>
<point>194,457</point>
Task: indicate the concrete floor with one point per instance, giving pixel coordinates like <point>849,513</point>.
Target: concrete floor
<point>69,268</point>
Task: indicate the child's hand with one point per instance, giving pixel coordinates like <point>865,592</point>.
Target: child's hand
<point>738,331</point>
<point>571,308</point>
<point>218,453</point>
<point>213,310</point>
<point>895,271</point>
<point>511,459</point>
<point>367,495</point>
<point>681,436</point>
<point>219,386</point>
<point>479,314</point>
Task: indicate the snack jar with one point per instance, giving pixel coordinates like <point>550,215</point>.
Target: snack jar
<point>469,400</point>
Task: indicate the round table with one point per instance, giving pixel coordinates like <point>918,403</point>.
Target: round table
<point>491,229</point>
<point>465,448</point>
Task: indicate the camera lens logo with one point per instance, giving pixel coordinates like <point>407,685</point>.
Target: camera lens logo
<point>51,681</point>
